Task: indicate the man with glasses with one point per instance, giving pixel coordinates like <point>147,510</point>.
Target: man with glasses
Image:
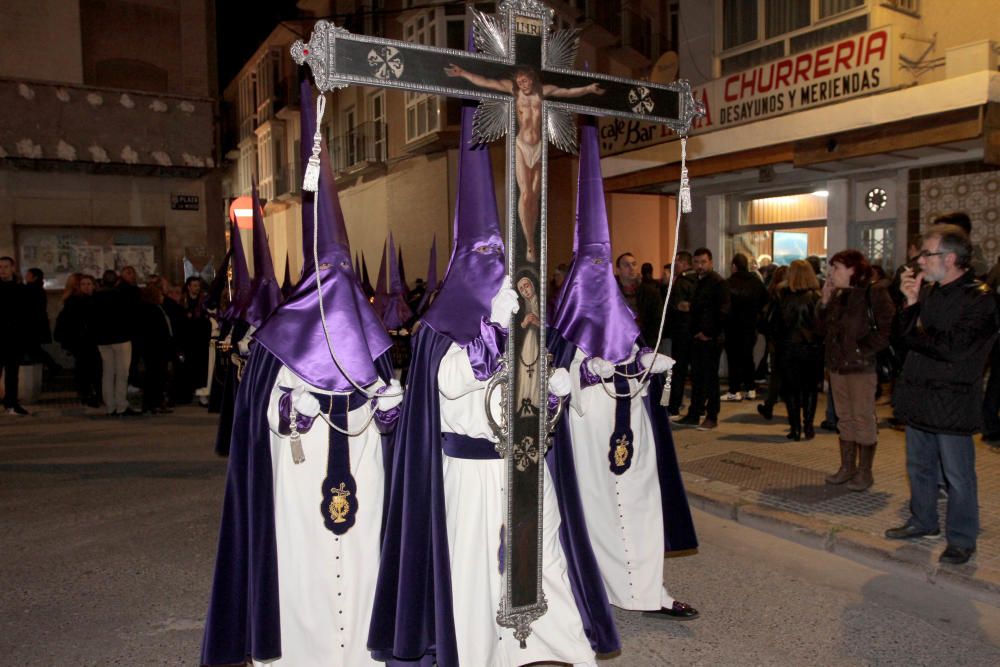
<point>948,325</point>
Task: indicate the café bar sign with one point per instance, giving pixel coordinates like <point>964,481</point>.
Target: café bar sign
<point>852,67</point>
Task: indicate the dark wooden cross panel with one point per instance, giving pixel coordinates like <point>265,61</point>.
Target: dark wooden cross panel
<point>522,75</point>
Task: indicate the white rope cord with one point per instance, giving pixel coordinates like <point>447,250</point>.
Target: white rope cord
<point>683,206</point>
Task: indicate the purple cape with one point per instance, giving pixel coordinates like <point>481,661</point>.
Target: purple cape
<point>243,619</point>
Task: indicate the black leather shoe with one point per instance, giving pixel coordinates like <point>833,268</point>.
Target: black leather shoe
<point>956,555</point>
<point>680,611</point>
<point>908,532</point>
<point>766,411</point>
<point>828,425</point>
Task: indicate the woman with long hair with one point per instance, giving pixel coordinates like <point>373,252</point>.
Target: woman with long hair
<point>766,409</point>
<point>798,346</point>
<point>857,317</point>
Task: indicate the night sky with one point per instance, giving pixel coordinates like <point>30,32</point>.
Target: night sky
<point>242,25</point>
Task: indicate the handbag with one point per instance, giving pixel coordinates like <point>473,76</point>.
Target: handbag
<point>888,361</point>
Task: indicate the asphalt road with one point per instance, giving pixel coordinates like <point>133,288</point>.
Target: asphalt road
<point>107,544</point>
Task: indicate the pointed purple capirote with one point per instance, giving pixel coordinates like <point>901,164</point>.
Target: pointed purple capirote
<point>381,294</point>
<point>294,333</point>
<point>432,276</point>
<point>592,313</point>
<point>397,313</point>
<point>242,290</point>
<point>476,269</point>
<point>366,282</point>
<point>402,271</point>
<point>266,295</point>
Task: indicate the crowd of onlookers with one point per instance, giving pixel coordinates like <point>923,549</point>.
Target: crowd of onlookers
<point>926,336</point>
<point>120,334</point>
<point>793,329</point>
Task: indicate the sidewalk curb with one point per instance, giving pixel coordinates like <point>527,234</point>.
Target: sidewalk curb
<point>916,559</point>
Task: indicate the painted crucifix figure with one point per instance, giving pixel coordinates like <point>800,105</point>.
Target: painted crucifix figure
<point>522,75</point>
<point>529,92</point>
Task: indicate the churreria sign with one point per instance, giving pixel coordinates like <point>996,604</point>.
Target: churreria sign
<point>850,67</point>
<point>830,73</point>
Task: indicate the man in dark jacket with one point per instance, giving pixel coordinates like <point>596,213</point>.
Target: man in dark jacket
<point>678,326</point>
<point>948,324</point>
<point>38,333</point>
<point>749,297</point>
<point>14,306</point>
<point>650,305</point>
<point>709,310</point>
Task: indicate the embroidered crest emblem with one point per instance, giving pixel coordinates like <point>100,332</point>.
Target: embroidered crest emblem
<point>339,506</point>
<point>620,451</point>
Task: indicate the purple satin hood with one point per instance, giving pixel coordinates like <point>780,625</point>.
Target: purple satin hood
<point>592,313</point>
<point>294,333</point>
<point>476,269</point>
<point>266,295</point>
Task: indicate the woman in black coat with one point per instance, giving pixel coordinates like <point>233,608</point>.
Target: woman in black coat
<point>157,347</point>
<point>75,332</point>
<point>799,347</point>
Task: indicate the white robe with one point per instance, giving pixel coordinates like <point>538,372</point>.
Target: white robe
<point>474,502</point>
<point>326,582</point>
<point>623,512</point>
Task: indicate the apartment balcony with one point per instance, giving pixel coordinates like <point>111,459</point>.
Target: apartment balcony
<point>638,41</point>
<point>360,150</point>
<point>601,21</point>
<point>288,182</point>
<point>104,130</point>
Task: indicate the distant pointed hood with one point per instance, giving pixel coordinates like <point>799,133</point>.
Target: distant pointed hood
<point>294,333</point>
<point>366,282</point>
<point>218,286</point>
<point>242,289</point>
<point>402,271</point>
<point>396,313</point>
<point>287,285</point>
<point>381,294</point>
<point>432,277</point>
<point>264,287</point>
<point>476,269</point>
<point>592,313</point>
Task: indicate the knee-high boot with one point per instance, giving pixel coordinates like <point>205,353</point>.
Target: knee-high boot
<point>863,479</point>
<point>848,463</point>
<point>794,416</point>
<point>808,415</point>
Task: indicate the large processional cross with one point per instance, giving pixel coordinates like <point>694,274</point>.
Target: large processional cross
<point>521,75</point>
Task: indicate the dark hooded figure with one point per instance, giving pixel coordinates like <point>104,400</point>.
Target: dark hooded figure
<point>303,513</point>
<point>442,558</point>
<point>616,437</point>
<point>244,314</point>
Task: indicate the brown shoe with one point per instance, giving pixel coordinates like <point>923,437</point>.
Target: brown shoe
<point>863,479</point>
<point>848,465</point>
<point>707,424</point>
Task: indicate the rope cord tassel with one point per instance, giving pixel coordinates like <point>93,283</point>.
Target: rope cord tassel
<point>310,182</point>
